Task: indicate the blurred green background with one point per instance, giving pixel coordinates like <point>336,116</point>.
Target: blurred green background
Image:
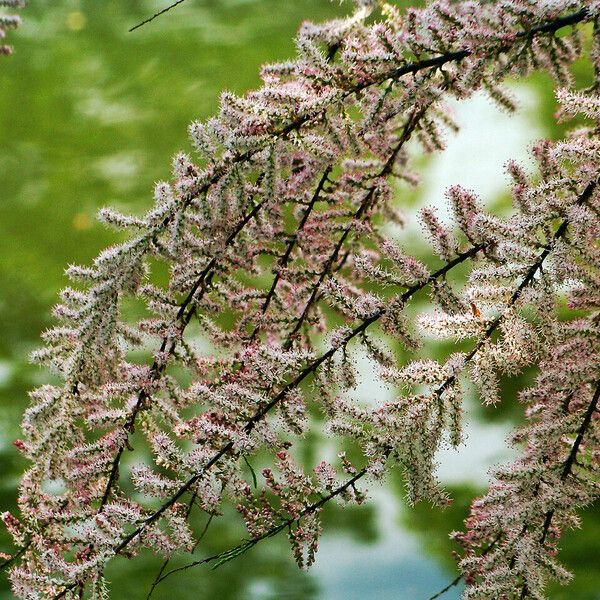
<point>90,116</point>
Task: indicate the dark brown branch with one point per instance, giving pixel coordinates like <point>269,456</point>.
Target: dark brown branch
<point>394,74</point>
<point>159,577</point>
<point>452,584</point>
<point>459,577</point>
<point>188,306</point>
<point>436,62</point>
<point>525,282</point>
<point>184,316</point>
<point>9,561</point>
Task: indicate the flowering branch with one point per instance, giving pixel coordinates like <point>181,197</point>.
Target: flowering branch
<point>242,548</point>
<point>308,370</point>
<point>292,186</point>
<point>568,467</point>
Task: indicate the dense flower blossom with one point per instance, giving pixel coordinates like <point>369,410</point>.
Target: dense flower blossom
<point>273,238</point>
<point>557,472</point>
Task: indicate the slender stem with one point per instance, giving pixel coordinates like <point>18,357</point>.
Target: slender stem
<point>156,15</point>
<point>159,577</point>
<point>6,563</point>
<point>459,577</point>
<point>434,63</point>
<point>452,584</point>
<point>183,317</point>
<point>527,280</point>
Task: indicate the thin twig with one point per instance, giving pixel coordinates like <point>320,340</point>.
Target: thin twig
<point>5,564</point>
<point>184,316</point>
<point>452,584</point>
<point>159,577</point>
<point>409,127</point>
<point>156,15</point>
<point>283,263</point>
